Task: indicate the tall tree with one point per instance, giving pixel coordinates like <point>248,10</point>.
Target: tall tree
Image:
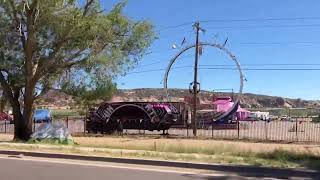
<point>3,100</point>
<point>41,40</point>
<point>87,96</point>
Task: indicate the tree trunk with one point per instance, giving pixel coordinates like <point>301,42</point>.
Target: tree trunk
<point>22,122</point>
<point>28,111</point>
<point>22,128</point>
<point>3,102</point>
<point>19,127</point>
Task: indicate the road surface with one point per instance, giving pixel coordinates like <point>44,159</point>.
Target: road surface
<point>17,168</point>
<point>27,168</point>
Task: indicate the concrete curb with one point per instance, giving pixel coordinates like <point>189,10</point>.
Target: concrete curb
<point>249,171</point>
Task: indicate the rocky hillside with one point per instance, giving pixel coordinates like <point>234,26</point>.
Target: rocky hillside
<point>55,99</point>
<point>58,99</point>
<point>247,100</point>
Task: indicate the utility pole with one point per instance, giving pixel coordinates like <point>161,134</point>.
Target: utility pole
<point>195,80</point>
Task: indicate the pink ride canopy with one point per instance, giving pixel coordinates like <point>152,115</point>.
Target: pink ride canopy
<point>223,104</point>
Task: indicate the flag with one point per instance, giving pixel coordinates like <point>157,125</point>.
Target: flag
<point>183,41</point>
<point>225,42</point>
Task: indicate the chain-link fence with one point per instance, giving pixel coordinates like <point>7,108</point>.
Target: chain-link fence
<point>299,129</point>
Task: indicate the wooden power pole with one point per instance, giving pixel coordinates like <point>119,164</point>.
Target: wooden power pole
<point>195,80</point>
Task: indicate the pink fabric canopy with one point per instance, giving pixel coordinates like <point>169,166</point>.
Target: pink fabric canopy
<point>225,103</point>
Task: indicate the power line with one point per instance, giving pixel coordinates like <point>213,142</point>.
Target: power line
<point>233,28</point>
<point>176,26</point>
<point>161,61</point>
<point>229,68</point>
<point>160,51</point>
<point>270,69</point>
<point>261,19</point>
<point>258,43</point>
<point>268,44</point>
<point>239,20</point>
<point>264,26</point>
<point>281,43</point>
<point>150,64</point>
<point>243,65</point>
<point>266,64</point>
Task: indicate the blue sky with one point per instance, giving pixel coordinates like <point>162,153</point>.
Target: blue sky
<point>256,41</point>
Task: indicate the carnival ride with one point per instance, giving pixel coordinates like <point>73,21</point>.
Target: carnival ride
<point>116,116</point>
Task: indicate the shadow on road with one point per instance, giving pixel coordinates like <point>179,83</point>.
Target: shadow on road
<point>235,172</point>
<point>254,173</point>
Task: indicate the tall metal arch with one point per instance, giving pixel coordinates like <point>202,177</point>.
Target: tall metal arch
<point>218,46</point>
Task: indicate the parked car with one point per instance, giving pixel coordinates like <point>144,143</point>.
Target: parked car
<point>250,118</point>
<point>42,115</point>
<point>285,118</point>
<point>272,117</point>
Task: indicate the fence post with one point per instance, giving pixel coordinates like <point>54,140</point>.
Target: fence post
<point>212,130</point>
<point>238,124</point>
<point>297,130</point>
<point>187,130</point>
<point>84,125</point>
<point>5,126</point>
<point>139,127</point>
<point>67,122</point>
<point>34,124</point>
<point>266,129</point>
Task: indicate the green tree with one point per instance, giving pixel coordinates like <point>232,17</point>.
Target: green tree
<point>42,41</point>
<point>3,101</point>
<point>88,95</point>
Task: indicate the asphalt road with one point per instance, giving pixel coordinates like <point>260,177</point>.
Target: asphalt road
<point>14,168</point>
<point>28,168</point>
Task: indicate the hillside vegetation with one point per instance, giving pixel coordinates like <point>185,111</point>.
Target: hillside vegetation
<point>248,100</point>
<point>56,99</point>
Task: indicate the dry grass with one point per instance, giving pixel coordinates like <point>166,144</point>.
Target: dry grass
<point>231,152</point>
<point>6,137</point>
<point>187,145</point>
<point>194,146</point>
<point>152,155</point>
<point>211,151</point>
